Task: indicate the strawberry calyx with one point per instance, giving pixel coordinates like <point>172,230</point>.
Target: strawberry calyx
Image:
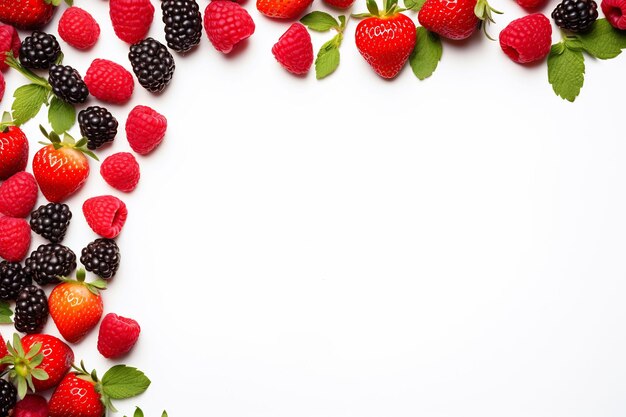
<point>6,122</point>
<point>94,287</point>
<point>390,9</point>
<point>57,3</point>
<point>67,142</point>
<point>484,12</point>
<point>23,365</point>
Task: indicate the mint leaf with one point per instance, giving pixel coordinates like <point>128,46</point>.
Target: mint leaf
<point>327,59</point>
<point>5,313</point>
<point>319,21</point>
<point>61,115</point>
<point>123,381</point>
<point>566,71</point>
<point>414,5</point>
<point>427,53</point>
<point>603,41</point>
<point>28,101</point>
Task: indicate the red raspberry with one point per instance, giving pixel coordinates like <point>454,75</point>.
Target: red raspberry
<point>18,195</point>
<point>117,335</point>
<point>294,50</point>
<point>145,129</point>
<point>9,42</point>
<point>121,171</point>
<point>615,12</point>
<point>31,406</point>
<point>78,28</point>
<point>226,24</point>
<point>105,215</point>
<point>131,19</point>
<point>110,82</point>
<point>340,4</point>
<point>14,238</point>
<point>3,86</point>
<point>527,39</point>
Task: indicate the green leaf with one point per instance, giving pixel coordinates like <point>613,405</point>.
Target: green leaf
<point>138,412</point>
<point>427,53</point>
<point>22,387</point>
<point>164,414</point>
<point>415,5</point>
<point>39,374</point>
<point>5,313</point>
<point>372,7</point>
<point>319,21</point>
<point>123,381</point>
<point>28,101</point>
<point>61,115</point>
<point>603,41</point>
<point>327,59</point>
<point>566,72</point>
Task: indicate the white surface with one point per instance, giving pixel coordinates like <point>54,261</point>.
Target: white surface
<point>359,247</point>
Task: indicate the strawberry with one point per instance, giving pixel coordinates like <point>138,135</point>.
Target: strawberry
<point>339,4</point>
<point>385,39</point>
<point>27,14</point>
<point>3,352</point>
<point>283,9</point>
<point>456,19</point>
<point>61,168</point>
<point>76,306</point>
<point>13,148</point>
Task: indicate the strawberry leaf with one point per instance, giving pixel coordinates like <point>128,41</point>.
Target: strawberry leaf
<point>138,412</point>
<point>123,381</point>
<point>415,5</point>
<point>327,60</point>
<point>5,313</point>
<point>566,71</point>
<point>319,21</point>
<point>28,101</point>
<point>61,115</point>
<point>603,41</point>
<point>427,53</point>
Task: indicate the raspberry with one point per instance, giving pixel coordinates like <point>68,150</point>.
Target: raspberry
<point>31,406</point>
<point>9,42</point>
<point>117,335</point>
<point>131,19</point>
<point>531,4</point>
<point>615,11</point>
<point>121,171</point>
<point>78,28</point>
<point>105,215</point>
<point>152,63</point>
<point>39,50</point>
<point>294,50</point>
<point>575,15</point>
<point>18,195</point>
<point>67,84</point>
<point>226,24</point>
<point>110,82</point>
<point>527,39</point>
<point>3,86</point>
<point>14,238</point>
<point>145,129</point>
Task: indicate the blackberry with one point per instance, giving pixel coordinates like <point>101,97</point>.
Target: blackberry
<point>39,50</point>
<point>183,24</point>
<point>8,397</point>
<point>575,15</point>
<point>102,257</point>
<point>12,280</point>
<point>50,221</point>
<point>67,84</point>
<point>152,64</point>
<point>98,125</point>
<point>49,262</point>
<point>31,310</point>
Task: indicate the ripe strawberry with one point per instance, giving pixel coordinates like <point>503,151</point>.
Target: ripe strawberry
<point>3,86</point>
<point>339,4</point>
<point>121,171</point>
<point>14,239</point>
<point>294,50</point>
<point>110,82</point>
<point>13,148</point>
<point>117,335</point>
<point>531,4</point>
<point>527,39</point>
<point>76,397</point>
<point>9,42</point>
<point>455,19</point>
<point>145,128</point>
<point>226,24</point>
<point>385,39</point>
<point>61,168</point>
<point>78,28</point>
<point>105,215</point>
<point>3,352</point>
<point>27,14</point>
<point>31,406</point>
<point>131,19</point>
<point>76,306</point>
<point>283,9</point>
<point>18,195</point>
<point>615,12</point>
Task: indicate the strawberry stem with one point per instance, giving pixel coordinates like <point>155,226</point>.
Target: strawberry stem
<point>31,76</point>
<point>484,12</point>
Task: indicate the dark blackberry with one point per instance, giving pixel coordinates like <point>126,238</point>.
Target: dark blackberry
<point>49,262</point>
<point>98,125</point>
<point>39,50</point>
<point>102,257</point>
<point>31,310</point>
<point>152,64</point>
<point>12,280</point>
<point>67,84</point>
<point>183,24</point>
<point>8,397</point>
<point>575,15</point>
<point>50,221</point>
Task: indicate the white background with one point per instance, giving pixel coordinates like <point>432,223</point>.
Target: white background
<point>370,248</point>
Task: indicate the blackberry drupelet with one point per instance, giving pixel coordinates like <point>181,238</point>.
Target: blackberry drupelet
<point>67,84</point>
<point>575,15</point>
<point>152,64</point>
<point>49,262</point>
<point>8,397</point>
<point>39,50</point>
<point>50,221</point>
<point>102,257</point>
<point>31,310</point>
<point>12,280</point>
<point>183,24</point>
<point>98,125</point>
